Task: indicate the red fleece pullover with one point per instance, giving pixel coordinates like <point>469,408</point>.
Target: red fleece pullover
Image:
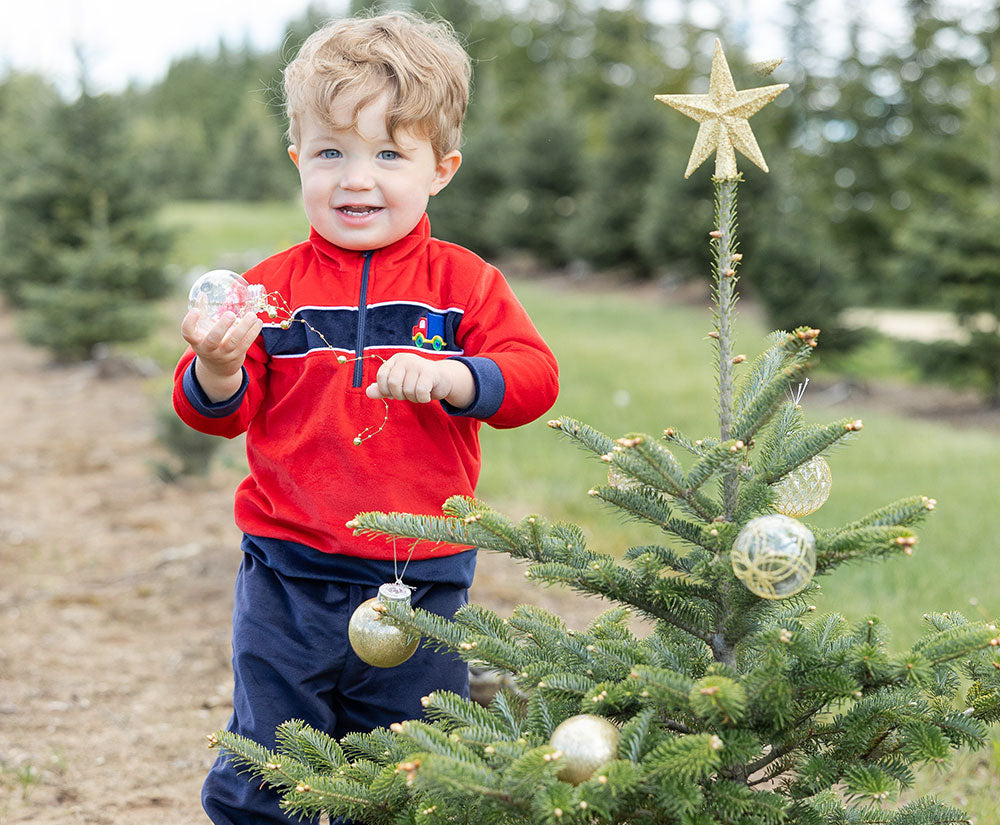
<point>301,409</point>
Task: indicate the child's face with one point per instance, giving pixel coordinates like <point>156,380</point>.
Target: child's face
<point>361,189</point>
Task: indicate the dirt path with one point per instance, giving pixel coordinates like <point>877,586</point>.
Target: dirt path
<point>115,597</point>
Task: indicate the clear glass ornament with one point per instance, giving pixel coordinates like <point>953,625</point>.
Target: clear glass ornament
<point>222,291</point>
<point>774,556</point>
<point>805,489</point>
<point>373,639</point>
<point>586,742</point>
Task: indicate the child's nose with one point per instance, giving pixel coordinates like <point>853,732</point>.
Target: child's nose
<point>357,176</point>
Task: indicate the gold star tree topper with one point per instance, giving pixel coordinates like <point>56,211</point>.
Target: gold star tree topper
<point>722,115</point>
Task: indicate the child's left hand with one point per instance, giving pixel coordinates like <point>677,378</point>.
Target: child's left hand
<point>408,377</point>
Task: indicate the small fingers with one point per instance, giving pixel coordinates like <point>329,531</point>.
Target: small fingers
<point>242,334</point>
<point>404,378</point>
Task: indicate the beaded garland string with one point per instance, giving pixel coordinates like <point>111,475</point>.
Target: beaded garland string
<point>288,319</point>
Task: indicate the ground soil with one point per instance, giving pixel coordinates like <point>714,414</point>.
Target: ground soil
<point>115,594</point>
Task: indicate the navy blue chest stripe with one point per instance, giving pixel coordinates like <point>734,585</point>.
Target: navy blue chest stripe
<point>385,325</point>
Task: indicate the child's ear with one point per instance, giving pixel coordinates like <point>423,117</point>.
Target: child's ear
<point>293,153</point>
<point>445,171</point>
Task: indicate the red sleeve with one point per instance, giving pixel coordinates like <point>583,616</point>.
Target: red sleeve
<point>497,327</point>
<point>228,418</point>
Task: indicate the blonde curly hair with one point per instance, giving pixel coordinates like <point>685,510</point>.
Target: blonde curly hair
<point>418,62</point>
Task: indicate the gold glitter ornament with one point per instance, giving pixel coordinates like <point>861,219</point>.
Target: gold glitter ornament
<point>774,556</point>
<point>722,115</point>
<point>585,742</point>
<point>805,489</point>
<point>373,639</point>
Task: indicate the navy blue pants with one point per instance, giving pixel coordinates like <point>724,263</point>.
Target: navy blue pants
<point>292,660</point>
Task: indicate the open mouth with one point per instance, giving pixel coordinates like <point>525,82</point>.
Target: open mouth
<point>358,210</point>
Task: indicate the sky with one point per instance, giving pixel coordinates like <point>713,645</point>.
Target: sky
<point>135,42</point>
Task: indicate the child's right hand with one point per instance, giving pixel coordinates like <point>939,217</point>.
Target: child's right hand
<point>221,351</point>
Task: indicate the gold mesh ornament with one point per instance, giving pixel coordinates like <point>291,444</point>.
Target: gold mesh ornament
<point>805,489</point>
<point>774,556</point>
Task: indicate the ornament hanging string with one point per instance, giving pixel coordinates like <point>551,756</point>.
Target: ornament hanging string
<point>395,563</point>
<point>800,390</point>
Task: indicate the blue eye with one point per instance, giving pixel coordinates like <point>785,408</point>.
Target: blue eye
<point>330,154</point>
<point>388,154</point>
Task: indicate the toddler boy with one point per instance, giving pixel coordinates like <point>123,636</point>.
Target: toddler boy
<point>375,108</point>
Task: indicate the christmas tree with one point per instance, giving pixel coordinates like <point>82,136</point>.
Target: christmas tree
<point>743,704</point>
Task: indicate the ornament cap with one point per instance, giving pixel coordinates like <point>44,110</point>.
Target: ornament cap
<point>394,592</point>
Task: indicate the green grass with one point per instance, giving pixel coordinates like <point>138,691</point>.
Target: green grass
<point>214,234</point>
<point>635,364</point>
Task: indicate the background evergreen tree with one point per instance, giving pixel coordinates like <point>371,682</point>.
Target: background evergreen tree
<point>742,705</point>
<point>946,253</point>
<point>83,257</point>
<point>253,163</point>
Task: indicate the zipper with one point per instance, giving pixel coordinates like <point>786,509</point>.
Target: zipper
<point>359,350</point>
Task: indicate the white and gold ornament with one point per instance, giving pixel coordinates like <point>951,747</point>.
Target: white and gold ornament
<point>805,489</point>
<point>372,638</point>
<point>584,742</point>
<point>774,556</point>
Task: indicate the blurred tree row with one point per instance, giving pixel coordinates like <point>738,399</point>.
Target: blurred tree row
<point>885,165</point>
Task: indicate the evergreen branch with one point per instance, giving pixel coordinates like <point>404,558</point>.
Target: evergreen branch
<point>836,547</point>
<point>668,688</point>
<point>696,447</point>
<point>379,747</point>
<point>540,716</point>
<point>724,246</point>
<point>522,777</point>
<point>585,435</point>
<point>502,707</point>
<point>639,500</point>
<point>803,446</point>
<point>688,758</point>
<point>906,511</point>
<point>452,711</point>
<point>253,757</point>
<point>480,620</point>
<point>957,642</point>
<point>605,578</point>
<point>295,781</point>
<point>404,525</point>
<point>763,368</point>
<point>497,651</point>
<point>634,735</point>
<point>319,794</point>
<point>430,739</point>
<point>725,457</point>
<point>760,407</point>
<point>309,746</point>
<point>564,682</point>
<point>653,464</point>
<point>436,773</point>
<point>786,420</point>
<point>928,811</point>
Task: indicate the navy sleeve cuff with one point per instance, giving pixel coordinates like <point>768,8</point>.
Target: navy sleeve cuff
<point>490,388</point>
<point>201,402</point>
